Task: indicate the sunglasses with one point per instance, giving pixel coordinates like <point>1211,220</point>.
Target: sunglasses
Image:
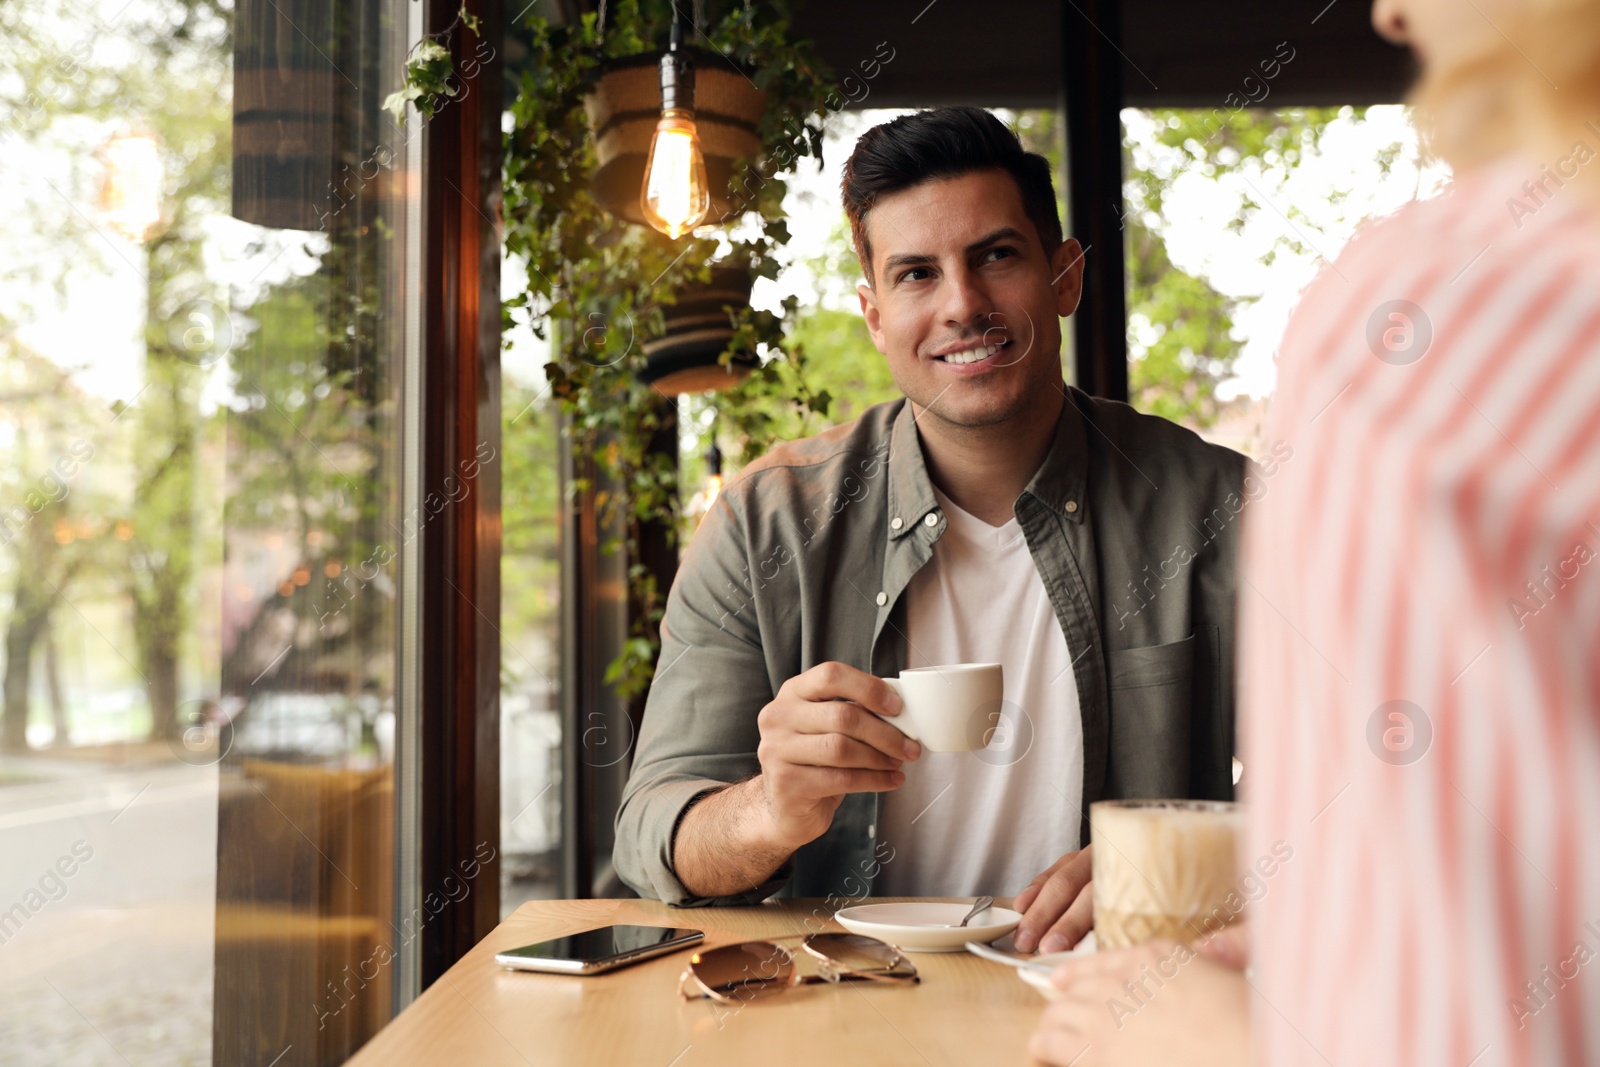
<point>750,970</point>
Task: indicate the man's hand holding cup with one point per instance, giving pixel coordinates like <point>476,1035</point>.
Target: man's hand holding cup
<point>827,733</point>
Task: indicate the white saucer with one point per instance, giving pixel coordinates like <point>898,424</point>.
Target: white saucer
<point>1040,980</point>
<point>926,926</point>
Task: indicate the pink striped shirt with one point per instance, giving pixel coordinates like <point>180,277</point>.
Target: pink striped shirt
<point>1420,674</point>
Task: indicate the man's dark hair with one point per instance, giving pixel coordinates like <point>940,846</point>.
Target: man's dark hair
<point>944,142</point>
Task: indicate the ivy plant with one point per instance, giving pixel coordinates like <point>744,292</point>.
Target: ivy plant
<point>596,285</point>
<point>429,68</point>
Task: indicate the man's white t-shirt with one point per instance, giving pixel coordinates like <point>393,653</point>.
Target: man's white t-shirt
<point>968,823</point>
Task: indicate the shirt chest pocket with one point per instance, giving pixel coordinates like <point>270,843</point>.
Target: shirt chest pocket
<point>1152,712</point>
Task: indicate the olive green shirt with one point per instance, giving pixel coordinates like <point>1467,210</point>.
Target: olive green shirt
<point>1133,523</point>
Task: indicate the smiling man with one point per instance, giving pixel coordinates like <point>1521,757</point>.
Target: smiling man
<point>995,514</point>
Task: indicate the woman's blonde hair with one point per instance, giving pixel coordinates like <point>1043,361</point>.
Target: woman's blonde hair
<point>1534,88</point>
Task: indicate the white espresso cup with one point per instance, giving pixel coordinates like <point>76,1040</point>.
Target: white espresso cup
<point>949,709</point>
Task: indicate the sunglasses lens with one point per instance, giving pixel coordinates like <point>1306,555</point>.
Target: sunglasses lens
<point>864,955</point>
<point>744,972</point>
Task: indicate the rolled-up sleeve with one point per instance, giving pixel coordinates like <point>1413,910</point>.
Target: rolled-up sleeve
<point>699,732</point>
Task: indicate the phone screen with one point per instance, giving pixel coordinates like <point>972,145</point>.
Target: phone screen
<point>604,943</point>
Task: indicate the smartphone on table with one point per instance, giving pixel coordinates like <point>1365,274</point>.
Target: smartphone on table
<point>598,951</point>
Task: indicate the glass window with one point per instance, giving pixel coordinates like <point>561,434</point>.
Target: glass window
<point>1228,215</point>
<point>200,314</point>
<point>530,622</point>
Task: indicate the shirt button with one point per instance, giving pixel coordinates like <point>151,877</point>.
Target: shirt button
<point>1072,506</point>
<point>896,522</point>
<point>932,519</point>
<point>883,598</point>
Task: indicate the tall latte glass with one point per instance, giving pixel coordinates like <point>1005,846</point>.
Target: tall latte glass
<point>1162,868</point>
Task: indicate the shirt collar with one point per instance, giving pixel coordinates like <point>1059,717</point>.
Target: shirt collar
<point>1058,483</point>
<point>910,491</point>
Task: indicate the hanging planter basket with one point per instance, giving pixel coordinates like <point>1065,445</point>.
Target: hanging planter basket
<point>699,327</point>
<point>624,105</point>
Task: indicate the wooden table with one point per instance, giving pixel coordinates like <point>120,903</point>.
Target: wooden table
<point>965,1010</point>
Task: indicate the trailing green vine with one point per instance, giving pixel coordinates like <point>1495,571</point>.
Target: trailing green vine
<point>429,68</point>
<point>600,283</point>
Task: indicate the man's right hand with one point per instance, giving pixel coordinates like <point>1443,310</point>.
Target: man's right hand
<point>819,741</point>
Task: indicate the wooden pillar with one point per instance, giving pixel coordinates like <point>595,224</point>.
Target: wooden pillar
<point>597,611</point>
<point>1091,68</point>
<point>460,581</point>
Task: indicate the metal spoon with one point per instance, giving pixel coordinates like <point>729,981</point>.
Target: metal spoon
<point>981,904</point>
<point>979,949</point>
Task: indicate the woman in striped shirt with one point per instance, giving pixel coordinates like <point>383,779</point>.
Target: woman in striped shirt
<point>1420,636</point>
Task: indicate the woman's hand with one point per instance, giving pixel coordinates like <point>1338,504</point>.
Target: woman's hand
<point>1162,1004</point>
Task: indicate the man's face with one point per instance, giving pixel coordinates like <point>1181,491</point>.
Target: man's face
<point>959,272</point>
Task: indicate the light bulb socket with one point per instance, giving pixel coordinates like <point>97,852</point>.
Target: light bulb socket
<point>677,74</point>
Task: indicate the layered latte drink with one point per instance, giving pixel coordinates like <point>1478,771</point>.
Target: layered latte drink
<point>1162,868</point>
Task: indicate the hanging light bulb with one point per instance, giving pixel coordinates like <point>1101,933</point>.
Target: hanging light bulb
<point>132,193</point>
<point>675,197</point>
